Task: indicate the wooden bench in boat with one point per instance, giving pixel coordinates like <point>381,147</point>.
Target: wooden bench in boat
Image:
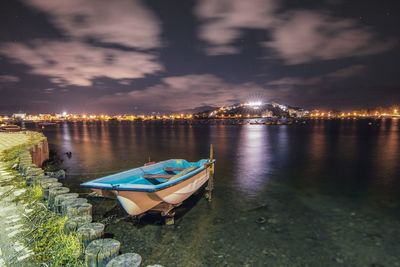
<point>169,176</point>
<point>170,169</point>
<point>157,176</point>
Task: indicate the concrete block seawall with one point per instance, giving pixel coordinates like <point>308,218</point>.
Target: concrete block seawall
<point>44,223</point>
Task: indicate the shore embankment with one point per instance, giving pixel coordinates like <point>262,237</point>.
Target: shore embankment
<point>43,223</point>
<point>12,189</point>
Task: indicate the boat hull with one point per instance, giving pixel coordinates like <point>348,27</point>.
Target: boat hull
<point>136,202</point>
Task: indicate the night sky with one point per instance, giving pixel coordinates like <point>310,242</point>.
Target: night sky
<point>126,56</point>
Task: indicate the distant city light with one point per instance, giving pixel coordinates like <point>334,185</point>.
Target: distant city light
<point>253,104</point>
<point>255,109</point>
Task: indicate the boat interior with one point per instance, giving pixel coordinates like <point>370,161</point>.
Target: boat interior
<point>151,175</point>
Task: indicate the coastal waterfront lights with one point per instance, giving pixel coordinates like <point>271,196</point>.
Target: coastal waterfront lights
<point>252,109</point>
<point>253,104</point>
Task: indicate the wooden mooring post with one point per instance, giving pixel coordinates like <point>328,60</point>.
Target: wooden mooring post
<point>167,212</point>
<point>79,209</point>
<point>101,251</point>
<point>47,186</point>
<point>58,200</point>
<point>72,224</point>
<point>210,184</point>
<point>90,231</point>
<point>70,202</point>
<point>53,192</point>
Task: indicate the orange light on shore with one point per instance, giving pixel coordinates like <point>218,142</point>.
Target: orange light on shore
<point>221,112</point>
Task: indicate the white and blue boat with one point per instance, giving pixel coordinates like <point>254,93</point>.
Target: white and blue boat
<point>142,189</point>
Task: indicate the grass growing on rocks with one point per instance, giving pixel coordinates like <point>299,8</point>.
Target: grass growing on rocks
<point>43,230</point>
<point>45,234</point>
<point>14,152</point>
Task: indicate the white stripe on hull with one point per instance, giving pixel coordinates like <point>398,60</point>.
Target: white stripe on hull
<point>181,194</point>
<point>136,203</point>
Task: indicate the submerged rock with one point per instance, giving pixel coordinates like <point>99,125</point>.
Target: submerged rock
<point>338,260</point>
<point>377,265</point>
<point>272,220</point>
<point>261,220</point>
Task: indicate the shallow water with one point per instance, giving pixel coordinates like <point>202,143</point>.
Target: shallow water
<point>326,193</point>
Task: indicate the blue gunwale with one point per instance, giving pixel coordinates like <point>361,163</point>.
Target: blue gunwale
<point>132,180</point>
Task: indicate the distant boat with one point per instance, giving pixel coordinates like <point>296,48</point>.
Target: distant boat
<point>10,128</point>
<point>47,123</point>
<point>142,189</point>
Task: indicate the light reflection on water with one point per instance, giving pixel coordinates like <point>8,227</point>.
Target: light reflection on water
<point>323,188</point>
<point>254,158</point>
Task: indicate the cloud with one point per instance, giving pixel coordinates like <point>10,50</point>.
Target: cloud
<point>225,20</point>
<point>125,22</point>
<point>305,36</point>
<point>76,63</point>
<point>297,36</point>
<point>290,81</point>
<point>335,76</point>
<point>186,92</point>
<point>9,79</point>
<point>344,73</point>
<point>221,50</point>
<point>48,90</point>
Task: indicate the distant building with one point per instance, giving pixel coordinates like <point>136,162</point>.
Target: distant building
<point>267,114</point>
<point>19,116</point>
<point>298,113</point>
<point>282,107</point>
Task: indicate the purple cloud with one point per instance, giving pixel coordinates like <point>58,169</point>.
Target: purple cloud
<point>186,92</point>
<point>335,76</point>
<point>297,37</point>
<point>225,20</point>
<point>76,63</point>
<point>344,73</point>
<point>295,81</point>
<point>9,79</point>
<point>304,36</point>
<point>124,22</point>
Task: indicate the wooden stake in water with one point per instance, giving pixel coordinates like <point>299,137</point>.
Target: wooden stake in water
<point>210,185</point>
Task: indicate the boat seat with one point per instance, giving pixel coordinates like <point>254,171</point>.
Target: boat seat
<point>170,169</point>
<point>157,176</point>
<point>182,173</point>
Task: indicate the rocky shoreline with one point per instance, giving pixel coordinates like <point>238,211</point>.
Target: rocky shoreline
<point>44,223</point>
